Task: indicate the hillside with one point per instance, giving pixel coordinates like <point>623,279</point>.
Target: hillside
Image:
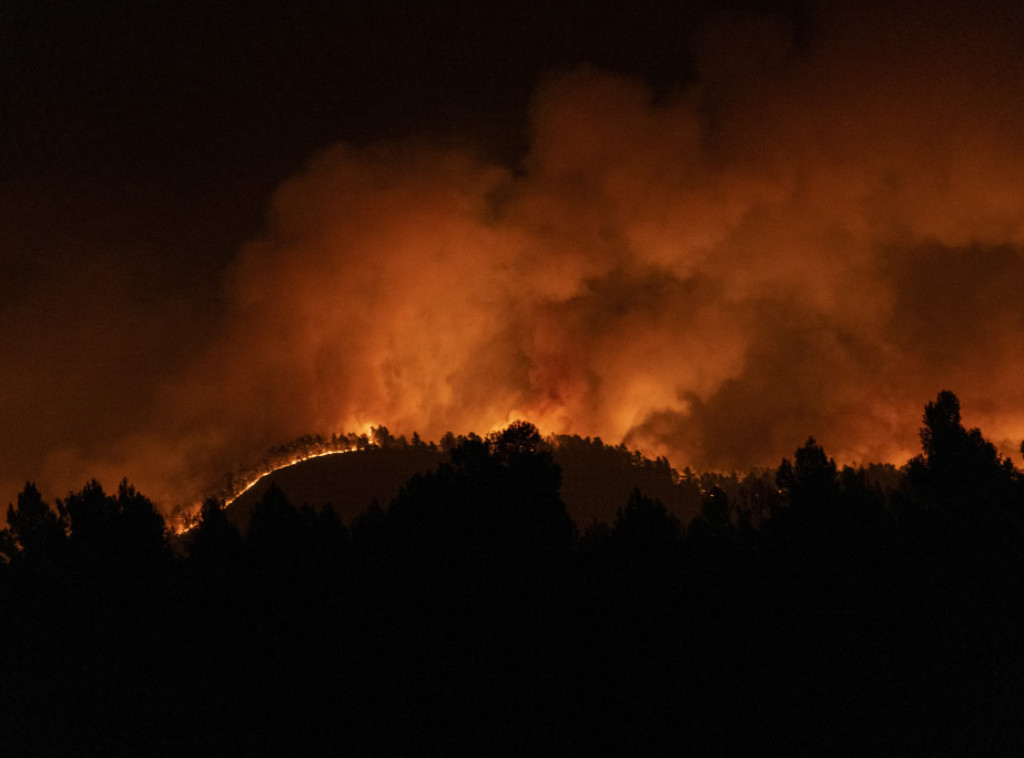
<point>348,481</point>
<point>848,618</point>
<point>597,480</point>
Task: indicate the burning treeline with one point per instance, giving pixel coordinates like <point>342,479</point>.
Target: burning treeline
<point>851,615</point>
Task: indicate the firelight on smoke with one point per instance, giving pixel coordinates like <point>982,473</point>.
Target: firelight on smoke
<point>808,240</point>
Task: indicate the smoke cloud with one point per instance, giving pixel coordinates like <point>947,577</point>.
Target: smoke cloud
<point>814,238</point>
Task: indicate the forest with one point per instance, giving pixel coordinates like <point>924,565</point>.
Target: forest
<point>810,610</point>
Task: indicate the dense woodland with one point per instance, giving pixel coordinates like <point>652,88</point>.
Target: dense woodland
<point>814,610</point>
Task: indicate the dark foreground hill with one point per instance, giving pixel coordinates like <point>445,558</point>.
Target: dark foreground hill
<point>468,615</point>
<point>597,480</point>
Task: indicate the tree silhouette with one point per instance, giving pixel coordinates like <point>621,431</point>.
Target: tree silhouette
<point>273,538</point>
<point>811,484</point>
<point>758,499</point>
<point>119,535</point>
<point>645,524</point>
<point>844,611</point>
<point>517,440</point>
<point>35,527</point>
<point>8,548</point>
<point>959,470</point>
<point>645,535</point>
<point>214,543</point>
<point>495,509</point>
<point>369,528</point>
<point>714,521</point>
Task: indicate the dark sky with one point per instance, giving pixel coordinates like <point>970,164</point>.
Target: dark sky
<point>721,185</point>
<point>163,120</point>
<point>149,137</point>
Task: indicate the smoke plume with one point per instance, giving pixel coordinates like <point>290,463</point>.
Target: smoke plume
<point>814,238</point>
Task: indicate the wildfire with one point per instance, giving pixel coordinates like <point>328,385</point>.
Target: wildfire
<point>184,520</point>
<point>283,464</point>
<point>710,276</point>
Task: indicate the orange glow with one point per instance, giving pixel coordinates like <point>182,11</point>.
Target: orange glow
<point>803,241</point>
<point>250,483</point>
<point>187,519</point>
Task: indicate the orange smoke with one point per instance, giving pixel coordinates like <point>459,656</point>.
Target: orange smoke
<point>813,239</point>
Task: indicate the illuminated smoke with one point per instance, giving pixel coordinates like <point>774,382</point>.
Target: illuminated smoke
<point>814,239</point>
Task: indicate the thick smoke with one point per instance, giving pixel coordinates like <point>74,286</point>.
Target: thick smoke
<point>816,237</point>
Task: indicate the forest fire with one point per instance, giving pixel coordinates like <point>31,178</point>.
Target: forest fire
<point>237,483</point>
<point>183,521</point>
<point>778,246</point>
<point>248,484</point>
<point>693,269</point>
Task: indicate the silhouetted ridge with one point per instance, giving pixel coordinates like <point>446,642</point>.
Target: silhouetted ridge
<point>808,610</point>
<point>596,478</point>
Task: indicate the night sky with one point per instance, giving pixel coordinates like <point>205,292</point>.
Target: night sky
<point>706,229</point>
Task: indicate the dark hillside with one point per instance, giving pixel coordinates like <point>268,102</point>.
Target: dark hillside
<point>348,481</point>
<point>596,480</point>
<point>819,614</point>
